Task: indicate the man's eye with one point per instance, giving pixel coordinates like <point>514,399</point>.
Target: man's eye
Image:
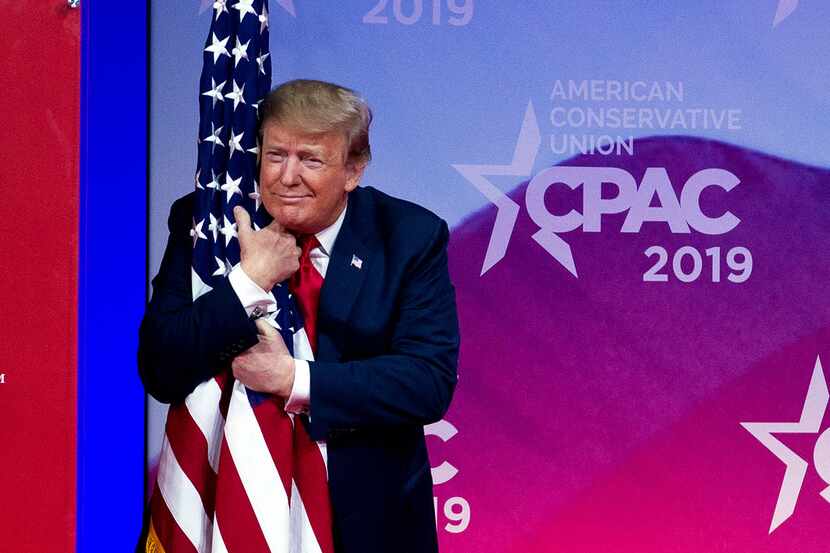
<point>275,157</point>
<point>313,162</point>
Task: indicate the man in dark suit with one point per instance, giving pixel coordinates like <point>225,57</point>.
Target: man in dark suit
<point>386,327</point>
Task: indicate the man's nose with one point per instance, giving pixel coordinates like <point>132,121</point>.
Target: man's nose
<point>290,172</point>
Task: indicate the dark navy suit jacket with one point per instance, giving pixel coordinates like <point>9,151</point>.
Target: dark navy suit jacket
<point>386,360</point>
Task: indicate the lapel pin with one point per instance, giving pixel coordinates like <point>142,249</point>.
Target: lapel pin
<point>357,262</point>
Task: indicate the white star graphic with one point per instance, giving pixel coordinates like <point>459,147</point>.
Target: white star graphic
<point>524,156</point>
<point>218,47</point>
<point>224,267</point>
<point>272,318</point>
<point>287,5</point>
<point>240,52</point>
<point>213,183</point>
<point>216,91</point>
<point>198,286</point>
<point>228,230</point>
<point>231,186</point>
<point>220,6</point>
<point>255,196</point>
<point>196,231</point>
<point>255,150</point>
<point>213,227</point>
<point>214,137</point>
<point>235,143</point>
<point>245,7</point>
<point>260,61</point>
<point>263,18</point>
<point>812,414</point>
<point>238,95</point>
<point>199,184</point>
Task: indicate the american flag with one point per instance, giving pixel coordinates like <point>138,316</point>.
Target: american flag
<point>236,474</point>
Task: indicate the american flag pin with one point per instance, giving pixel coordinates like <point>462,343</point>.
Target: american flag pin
<point>357,262</point>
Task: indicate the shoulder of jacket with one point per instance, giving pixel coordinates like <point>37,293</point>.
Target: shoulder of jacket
<point>399,214</point>
<point>181,211</point>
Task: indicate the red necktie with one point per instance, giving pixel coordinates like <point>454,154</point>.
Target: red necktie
<point>309,467</point>
<point>306,284</point>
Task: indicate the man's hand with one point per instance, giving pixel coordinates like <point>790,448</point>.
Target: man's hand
<point>267,366</point>
<point>269,255</point>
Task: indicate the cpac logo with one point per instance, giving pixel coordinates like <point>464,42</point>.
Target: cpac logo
<point>680,214</point>
<point>812,414</point>
<point>456,510</point>
<point>445,431</point>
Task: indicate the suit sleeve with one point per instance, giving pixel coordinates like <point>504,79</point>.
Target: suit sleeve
<point>182,342</point>
<point>413,383</point>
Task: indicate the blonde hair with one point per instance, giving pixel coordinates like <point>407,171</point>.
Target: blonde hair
<point>321,107</point>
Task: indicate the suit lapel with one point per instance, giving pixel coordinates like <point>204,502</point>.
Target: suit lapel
<point>350,262</point>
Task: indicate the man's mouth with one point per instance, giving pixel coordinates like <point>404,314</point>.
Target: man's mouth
<point>292,198</point>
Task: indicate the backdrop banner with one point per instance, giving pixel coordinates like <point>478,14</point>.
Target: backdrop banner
<point>638,195</point>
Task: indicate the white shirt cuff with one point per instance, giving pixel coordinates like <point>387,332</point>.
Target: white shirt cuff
<point>299,398</point>
<point>249,293</point>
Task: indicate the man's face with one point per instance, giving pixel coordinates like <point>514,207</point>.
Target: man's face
<point>304,177</point>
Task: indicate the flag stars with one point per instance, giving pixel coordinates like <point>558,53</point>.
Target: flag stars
<point>255,196</point>
<point>235,143</point>
<point>260,61</point>
<point>214,137</point>
<point>220,6</point>
<point>263,19</point>
<point>215,91</point>
<point>272,318</point>
<point>231,186</point>
<point>245,7</point>
<point>228,230</point>
<point>235,130</point>
<point>255,151</point>
<point>238,95</point>
<point>224,267</point>
<point>240,52</point>
<point>213,226</point>
<point>214,184</point>
<point>196,231</point>
<point>218,47</point>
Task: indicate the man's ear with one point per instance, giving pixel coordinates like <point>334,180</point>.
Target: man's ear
<point>354,172</point>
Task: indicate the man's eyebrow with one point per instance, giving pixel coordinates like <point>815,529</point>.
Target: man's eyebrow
<point>317,150</point>
<point>310,149</point>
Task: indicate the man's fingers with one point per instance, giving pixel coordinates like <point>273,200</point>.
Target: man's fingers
<point>243,220</point>
<point>265,329</point>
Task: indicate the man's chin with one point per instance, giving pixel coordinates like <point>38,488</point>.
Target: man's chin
<point>293,223</point>
<point>289,217</point>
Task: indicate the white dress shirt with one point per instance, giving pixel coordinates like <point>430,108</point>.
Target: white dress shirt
<point>252,296</point>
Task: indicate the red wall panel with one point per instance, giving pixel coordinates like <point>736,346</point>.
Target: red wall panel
<point>39,113</point>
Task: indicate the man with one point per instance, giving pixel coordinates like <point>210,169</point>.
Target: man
<point>386,329</point>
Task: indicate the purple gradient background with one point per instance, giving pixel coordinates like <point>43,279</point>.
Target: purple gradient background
<point>603,414</point>
<point>600,414</point>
